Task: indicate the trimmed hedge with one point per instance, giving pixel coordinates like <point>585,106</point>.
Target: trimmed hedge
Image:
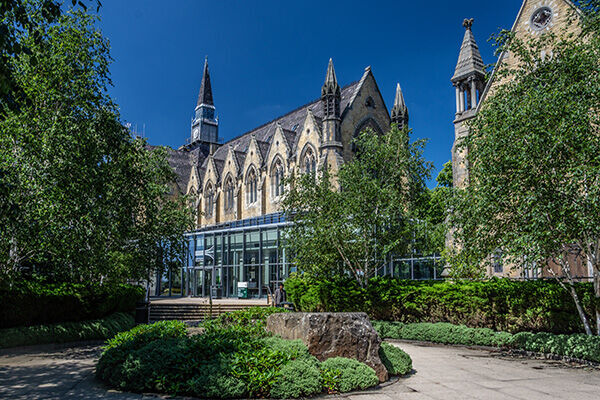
<point>497,304</point>
<point>66,332</point>
<point>577,346</point>
<point>34,303</point>
<point>232,358</point>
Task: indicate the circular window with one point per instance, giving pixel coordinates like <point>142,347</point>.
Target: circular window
<point>541,18</point>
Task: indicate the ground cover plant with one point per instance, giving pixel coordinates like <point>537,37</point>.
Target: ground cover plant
<point>497,304</point>
<point>66,332</point>
<point>579,346</point>
<point>233,357</point>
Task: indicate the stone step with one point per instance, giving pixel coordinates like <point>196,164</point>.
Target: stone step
<point>185,312</point>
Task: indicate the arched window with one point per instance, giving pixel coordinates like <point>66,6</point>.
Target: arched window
<point>309,162</point>
<point>251,187</point>
<point>209,197</point>
<point>229,194</point>
<point>277,186</point>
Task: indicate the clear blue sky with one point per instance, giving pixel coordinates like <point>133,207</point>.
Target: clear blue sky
<point>269,57</point>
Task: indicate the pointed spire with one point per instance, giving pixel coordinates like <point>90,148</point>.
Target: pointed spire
<point>469,60</point>
<point>331,84</point>
<point>205,96</point>
<point>399,110</point>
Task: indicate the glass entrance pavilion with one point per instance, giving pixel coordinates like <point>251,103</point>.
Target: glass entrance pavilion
<point>236,259</point>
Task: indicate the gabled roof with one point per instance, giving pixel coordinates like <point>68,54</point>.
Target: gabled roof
<point>469,60</point>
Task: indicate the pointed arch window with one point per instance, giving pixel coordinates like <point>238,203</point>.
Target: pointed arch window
<point>251,187</point>
<point>309,162</point>
<point>277,187</point>
<point>209,201</point>
<point>229,194</point>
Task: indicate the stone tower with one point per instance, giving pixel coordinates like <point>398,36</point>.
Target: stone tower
<point>205,125</point>
<point>399,110</point>
<point>469,81</point>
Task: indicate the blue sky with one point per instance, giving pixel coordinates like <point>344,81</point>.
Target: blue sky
<point>269,57</point>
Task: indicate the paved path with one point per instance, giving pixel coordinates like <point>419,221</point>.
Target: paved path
<point>452,373</point>
<point>448,373</point>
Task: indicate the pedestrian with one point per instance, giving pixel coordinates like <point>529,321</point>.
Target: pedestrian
<point>280,296</point>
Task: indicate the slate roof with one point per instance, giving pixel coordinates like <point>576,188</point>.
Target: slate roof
<point>265,132</point>
<point>469,59</point>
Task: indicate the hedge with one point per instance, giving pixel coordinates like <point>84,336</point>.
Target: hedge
<point>234,357</point>
<point>576,346</point>
<point>34,303</point>
<point>66,332</point>
<point>497,304</point>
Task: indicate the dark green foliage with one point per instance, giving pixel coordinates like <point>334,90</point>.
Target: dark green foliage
<point>498,304</point>
<point>232,358</point>
<point>442,333</point>
<point>583,347</point>
<point>396,361</point>
<point>66,332</point>
<point>33,303</point>
<point>252,319</point>
<point>350,374</point>
<point>578,346</point>
<point>298,378</point>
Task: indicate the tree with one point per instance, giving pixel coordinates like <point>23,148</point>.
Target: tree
<point>81,199</point>
<point>533,156</point>
<point>353,221</point>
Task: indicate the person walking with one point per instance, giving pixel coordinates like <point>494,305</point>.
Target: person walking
<point>280,296</point>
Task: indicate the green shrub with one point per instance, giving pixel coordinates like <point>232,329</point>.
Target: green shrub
<point>32,302</point>
<point>497,304</point>
<point>575,346</point>
<point>298,378</point>
<point>253,320</point>
<point>441,333</point>
<point>295,349</point>
<point>396,361</point>
<point>350,374</point>
<point>66,332</point>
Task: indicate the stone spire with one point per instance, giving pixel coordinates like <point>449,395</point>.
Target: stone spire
<point>205,95</point>
<point>469,74</point>
<point>205,125</point>
<point>399,111</point>
<point>331,97</point>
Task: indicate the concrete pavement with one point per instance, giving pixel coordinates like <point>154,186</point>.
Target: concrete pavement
<point>440,372</point>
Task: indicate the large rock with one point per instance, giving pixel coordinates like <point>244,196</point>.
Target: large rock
<point>330,335</point>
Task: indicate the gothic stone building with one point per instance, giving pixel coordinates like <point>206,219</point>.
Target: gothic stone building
<point>237,186</point>
<point>535,17</point>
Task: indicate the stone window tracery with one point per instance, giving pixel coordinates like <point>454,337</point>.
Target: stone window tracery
<point>229,194</point>
<point>251,187</point>
<point>277,187</point>
<point>309,162</point>
<point>209,201</point>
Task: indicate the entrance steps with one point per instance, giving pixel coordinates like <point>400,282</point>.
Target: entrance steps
<point>161,311</point>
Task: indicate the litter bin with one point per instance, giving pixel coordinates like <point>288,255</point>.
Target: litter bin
<point>141,312</point>
<point>242,290</point>
<point>215,292</point>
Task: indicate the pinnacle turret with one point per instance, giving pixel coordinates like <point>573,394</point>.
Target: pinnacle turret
<point>469,74</point>
<point>331,85</point>
<point>469,60</point>
<point>399,110</point>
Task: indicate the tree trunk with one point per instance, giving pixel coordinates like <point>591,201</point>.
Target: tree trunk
<point>584,320</point>
<point>597,298</point>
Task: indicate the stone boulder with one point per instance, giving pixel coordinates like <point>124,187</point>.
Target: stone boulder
<point>329,335</point>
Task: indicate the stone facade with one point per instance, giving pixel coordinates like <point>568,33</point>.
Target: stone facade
<point>535,17</point>
<point>243,177</point>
